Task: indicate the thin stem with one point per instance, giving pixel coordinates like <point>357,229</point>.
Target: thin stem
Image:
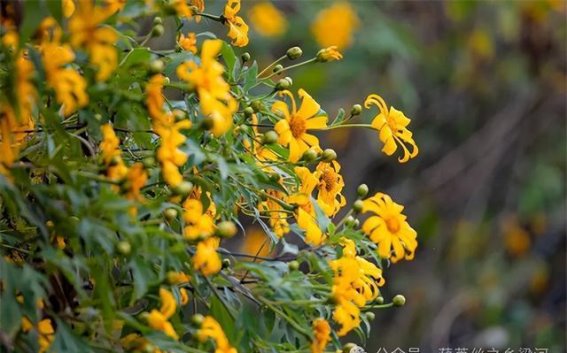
<point>285,317</point>
<point>212,17</point>
<point>380,306</point>
<point>368,126</point>
<point>270,66</point>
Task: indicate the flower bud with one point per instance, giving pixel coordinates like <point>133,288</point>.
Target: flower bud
<point>226,229</point>
<point>183,189</point>
<point>357,206</point>
<point>380,300</point>
<point>157,31</point>
<point>362,190</point>
<point>257,105</point>
<point>399,300</point>
<point>356,223</point>
<point>248,111</point>
<point>356,110</point>
<point>197,319</point>
<point>156,67</point>
<point>170,214</point>
<point>310,155</point>
<point>245,57</point>
<point>158,21</point>
<point>270,137</point>
<point>123,247</point>
<point>294,53</point>
<point>226,263</point>
<point>149,162</point>
<point>277,69</point>
<point>293,265</point>
<point>349,222</point>
<point>284,83</point>
<point>329,155</point>
<point>370,315</point>
<point>350,348</point>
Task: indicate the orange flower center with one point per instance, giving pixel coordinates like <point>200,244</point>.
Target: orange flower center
<point>393,224</point>
<point>297,125</point>
<point>329,179</point>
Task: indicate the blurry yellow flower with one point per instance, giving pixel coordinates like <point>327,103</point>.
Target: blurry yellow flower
<point>46,334</point>
<point>137,178</point>
<point>26,325</point>
<point>313,234</point>
<point>188,43</point>
<point>87,32</point>
<point>330,185</point>
<point>206,259</point>
<point>158,320</point>
<point>322,335</point>
<point>480,44</point>
<point>335,25</point>
<point>278,216</point>
<point>113,6</point>
<point>267,20</point>
<point>68,8</point>
<point>177,277</point>
<point>516,239</point>
<point>392,127</point>
<point>197,222</point>
<point>293,128</point>
<point>216,101</point>
<point>355,283</point>
<point>211,329</point>
<point>237,28</point>
<point>389,229</point>
<point>307,183</point>
<point>110,144</point>
<point>255,243</point>
<point>183,8</point>
<point>329,54</point>
<point>184,296</point>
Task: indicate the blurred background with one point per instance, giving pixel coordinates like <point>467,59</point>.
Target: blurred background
<point>484,83</point>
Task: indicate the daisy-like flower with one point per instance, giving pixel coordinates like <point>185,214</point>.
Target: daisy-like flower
<point>198,223</point>
<point>313,234</point>
<point>330,185</point>
<point>188,42</point>
<point>322,335</point>
<point>388,228</point>
<point>392,126</point>
<point>237,28</point>
<point>267,20</point>
<point>211,329</point>
<point>158,319</point>
<point>206,259</point>
<point>335,25</point>
<point>293,128</point>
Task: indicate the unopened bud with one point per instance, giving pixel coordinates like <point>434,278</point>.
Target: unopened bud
<point>329,155</point>
<point>158,21</point>
<point>293,265</point>
<point>248,111</point>
<point>183,189</point>
<point>294,53</point>
<point>277,69</point>
<point>157,30</point>
<point>156,66</point>
<point>357,206</point>
<point>310,155</point>
<point>226,229</point>
<point>123,247</point>
<point>197,319</point>
<point>270,137</point>
<point>356,110</point>
<point>399,300</point>
<point>170,214</point>
<point>284,83</point>
<point>245,57</point>
<point>362,190</point>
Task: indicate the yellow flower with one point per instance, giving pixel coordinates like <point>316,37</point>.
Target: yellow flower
<point>335,25</point>
<point>158,319</point>
<point>278,217</point>
<point>68,84</point>
<point>261,152</point>
<point>206,259</point>
<point>216,101</point>
<point>237,28</point>
<point>188,43</point>
<point>322,333</point>
<point>329,54</point>
<point>68,8</point>
<point>197,222</point>
<point>110,144</point>
<point>184,296</point>
<point>331,184</point>
<point>388,228</point>
<point>113,6</point>
<point>313,234</point>
<point>256,243</point>
<point>293,128</point>
<point>267,20</point>
<point>355,283</point>
<point>137,178</point>
<point>86,32</point>
<point>183,9</point>
<point>307,183</point>
<point>211,329</point>
<point>46,334</point>
<point>177,277</point>
<point>392,126</point>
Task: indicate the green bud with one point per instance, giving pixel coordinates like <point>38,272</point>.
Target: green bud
<point>357,206</point>
<point>123,247</point>
<point>158,21</point>
<point>293,265</point>
<point>197,319</point>
<point>310,155</point>
<point>356,223</point>
<point>347,348</point>
<point>370,315</point>
<point>149,162</point>
<point>277,69</point>
<point>399,300</point>
<point>170,214</point>
<point>257,106</point>
<point>98,117</point>
<point>248,111</point>
<point>362,190</point>
<point>356,110</point>
<point>245,57</point>
<point>225,263</point>
<point>329,155</point>
<point>156,67</point>
<point>226,229</point>
<point>270,137</point>
<point>282,84</point>
<point>349,222</point>
<point>208,123</point>
<point>179,114</point>
<point>380,300</point>
<point>184,188</point>
<point>294,53</point>
<point>157,31</point>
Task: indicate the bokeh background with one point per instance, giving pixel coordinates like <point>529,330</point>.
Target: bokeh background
<point>484,83</point>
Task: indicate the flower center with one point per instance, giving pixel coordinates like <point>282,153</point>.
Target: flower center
<point>393,224</point>
<point>297,126</point>
<point>329,179</point>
